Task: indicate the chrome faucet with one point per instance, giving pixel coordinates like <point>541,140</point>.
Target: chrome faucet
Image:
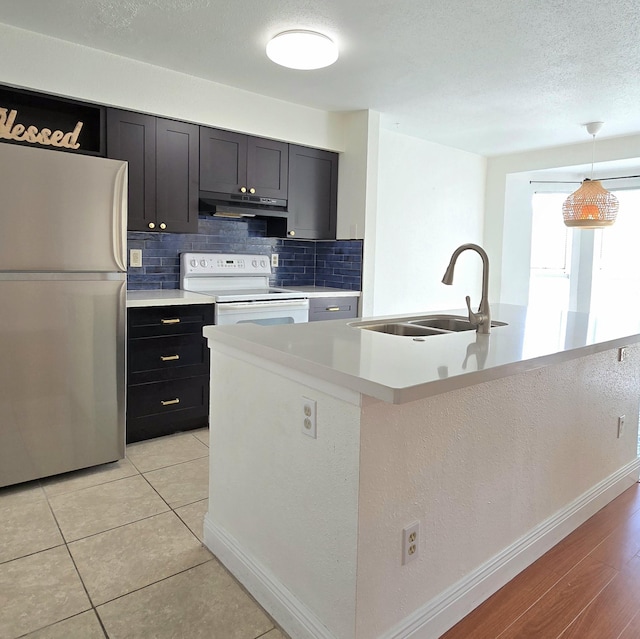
<point>482,319</point>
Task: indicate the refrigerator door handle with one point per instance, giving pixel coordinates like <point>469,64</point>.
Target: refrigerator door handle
<point>120,217</point>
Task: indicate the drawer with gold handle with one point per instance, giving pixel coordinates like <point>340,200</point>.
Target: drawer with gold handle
<point>175,395</point>
<point>334,307</point>
<point>172,320</point>
<point>165,353</point>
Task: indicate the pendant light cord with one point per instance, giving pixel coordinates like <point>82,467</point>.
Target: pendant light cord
<point>593,154</point>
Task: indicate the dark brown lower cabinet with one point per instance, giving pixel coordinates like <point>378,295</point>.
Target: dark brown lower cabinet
<point>167,370</point>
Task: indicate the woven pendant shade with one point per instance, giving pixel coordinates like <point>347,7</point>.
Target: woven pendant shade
<point>590,207</point>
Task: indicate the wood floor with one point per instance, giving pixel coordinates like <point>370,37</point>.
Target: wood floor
<point>586,587</point>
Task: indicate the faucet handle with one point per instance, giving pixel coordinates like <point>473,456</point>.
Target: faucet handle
<point>467,299</point>
<point>474,318</point>
<point>477,319</point>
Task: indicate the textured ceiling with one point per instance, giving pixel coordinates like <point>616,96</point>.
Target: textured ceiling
<point>487,76</point>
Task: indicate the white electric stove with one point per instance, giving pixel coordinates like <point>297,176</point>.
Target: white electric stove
<point>239,285</point>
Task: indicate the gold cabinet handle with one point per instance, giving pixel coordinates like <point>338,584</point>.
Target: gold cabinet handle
<point>169,358</point>
<point>243,189</point>
<point>171,321</point>
<point>332,308</point>
<point>292,233</point>
<point>152,225</point>
<point>170,402</point>
<point>163,226</point>
<point>252,190</point>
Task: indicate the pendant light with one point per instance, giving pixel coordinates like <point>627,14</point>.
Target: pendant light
<point>591,206</point>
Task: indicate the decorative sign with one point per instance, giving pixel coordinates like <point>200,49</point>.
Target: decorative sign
<point>9,130</point>
<point>59,124</point>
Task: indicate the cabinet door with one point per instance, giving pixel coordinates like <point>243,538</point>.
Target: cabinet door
<point>177,176</point>
<point>132,137</point>
<point>313,193</point>
<point>223,161</point>
<point>267,167</point>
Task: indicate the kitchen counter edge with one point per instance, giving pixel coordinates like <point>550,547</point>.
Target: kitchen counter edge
<point>168,297</point>
<point>323,291</point>
<point>304,347</point>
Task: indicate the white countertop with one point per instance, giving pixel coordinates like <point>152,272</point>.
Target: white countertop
<point>165,297</point>
<point>323,291</point>
<point>399,369</point>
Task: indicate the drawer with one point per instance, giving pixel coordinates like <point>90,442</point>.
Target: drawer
<point>144,400</point>
<point>168,397</point>
<point>168,320</point>
<point>164,353</point>
<point>327,308</point>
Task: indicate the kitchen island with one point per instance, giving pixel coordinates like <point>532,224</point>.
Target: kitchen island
<point>330,440</point>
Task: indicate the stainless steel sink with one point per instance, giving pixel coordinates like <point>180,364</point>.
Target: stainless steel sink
<point>450,323</point>
<point>402,328</point>
<point>423,326</point>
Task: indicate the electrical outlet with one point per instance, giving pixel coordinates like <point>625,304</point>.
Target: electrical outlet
<point>274,260</point>
<point>621,425</point>
<point>410,542</point>
<point>309,417</point>
<point>135,258</point>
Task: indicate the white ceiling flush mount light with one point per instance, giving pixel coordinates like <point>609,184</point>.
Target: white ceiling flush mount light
<point>591,206</point>
<point>301,49</point>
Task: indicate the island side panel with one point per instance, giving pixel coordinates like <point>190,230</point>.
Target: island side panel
<point>284,500</point>
<point>481,468</point>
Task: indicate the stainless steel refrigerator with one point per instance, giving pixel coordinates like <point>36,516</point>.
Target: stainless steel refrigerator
<point>62,312</point>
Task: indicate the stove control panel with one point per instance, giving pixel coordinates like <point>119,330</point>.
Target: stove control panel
<point>194,264</point>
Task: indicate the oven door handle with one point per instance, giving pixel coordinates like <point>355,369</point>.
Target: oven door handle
<point>244,306</point>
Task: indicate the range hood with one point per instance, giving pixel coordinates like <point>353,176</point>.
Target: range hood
<point>276,217</point>
<point>245,200</point>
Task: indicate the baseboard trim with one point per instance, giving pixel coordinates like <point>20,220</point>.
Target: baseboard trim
<point>293,615</point>
<point>443,612</point>
<point>434,618</point>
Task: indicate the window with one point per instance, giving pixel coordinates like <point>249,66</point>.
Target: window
<point>549,282</point>
<point>616,268</point>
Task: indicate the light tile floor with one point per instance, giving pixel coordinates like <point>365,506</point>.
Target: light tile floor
<point>116,552</point>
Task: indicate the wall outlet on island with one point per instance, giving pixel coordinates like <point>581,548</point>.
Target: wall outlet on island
<point>410,542</point>
<point>275,260</point>
<point>309,417</point>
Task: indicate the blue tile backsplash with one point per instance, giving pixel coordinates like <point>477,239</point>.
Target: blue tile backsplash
<point>301,262</point>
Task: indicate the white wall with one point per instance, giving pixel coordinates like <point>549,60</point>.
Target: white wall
<point>507,231</point>
<point>485,470</point>
<point>357,178</point>
<point>55,66</point>
<point>496,473</point>
<point>289,501</point>
<point>430,200</point>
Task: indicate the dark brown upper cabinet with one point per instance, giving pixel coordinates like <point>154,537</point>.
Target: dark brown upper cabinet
<point>163,170</point>
<point>233,163</point>
<point>313,193</point>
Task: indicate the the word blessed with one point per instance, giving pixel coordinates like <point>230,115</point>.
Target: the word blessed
<point>11,131</point>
